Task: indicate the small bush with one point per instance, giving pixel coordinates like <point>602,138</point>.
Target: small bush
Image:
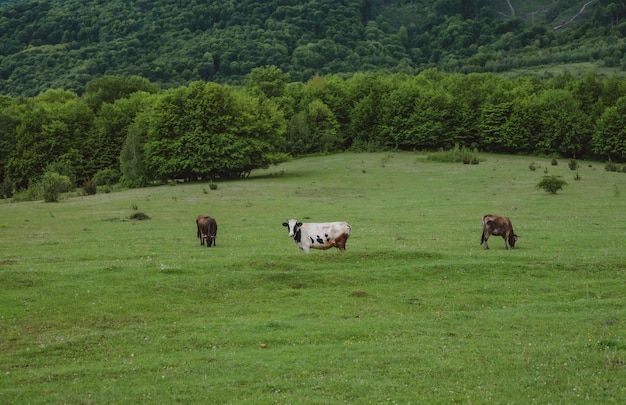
<point>52,184</point>
<point>551,184</point>
<point>213,186</point>
<point>554,162</point>
<point>90,187</point>
<point>610,166</point>
<point>6,189</point>
<point>32,193</point>
<point>533,166</point>
<point>456,154</point>
<point>106,177</point>
<point>139,216</point>
<point>577,177</point>
<point>573,164</point>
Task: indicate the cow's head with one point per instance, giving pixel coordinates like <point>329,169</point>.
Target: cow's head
<point>512,239</point>
<point>293,225</point>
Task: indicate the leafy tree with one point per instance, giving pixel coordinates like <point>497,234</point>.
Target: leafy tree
<point>53,127</point>
<point>132,154</point>
<point>209,130</point>
<point>269,80</point>
<point>564,129</point>
<point>609,137</point>
<point>9,121</point>
<point>110,128</point>
<point>108,89</point>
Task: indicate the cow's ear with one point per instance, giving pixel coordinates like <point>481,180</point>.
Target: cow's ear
<point>285,224</point>
<point>299,224</point>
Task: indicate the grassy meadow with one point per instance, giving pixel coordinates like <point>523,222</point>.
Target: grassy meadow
<point>96,308</point>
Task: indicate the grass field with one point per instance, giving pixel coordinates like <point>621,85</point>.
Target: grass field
<point>99,309</point>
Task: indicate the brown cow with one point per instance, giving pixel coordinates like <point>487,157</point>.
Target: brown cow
<point>207,230</point>
<point>499,226</point>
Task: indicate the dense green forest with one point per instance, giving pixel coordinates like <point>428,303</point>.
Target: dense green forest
<point>135,92</point>
<point>65,44</point>
<point>128,130</point>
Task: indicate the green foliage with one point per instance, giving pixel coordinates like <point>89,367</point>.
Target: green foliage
<point>106,177</point>
<point>609,138</point>
<point>132,154</point>
<point>108,89</point>
<point>268,80</point>
<point>52,184</point>
<point>456,154</point>
<point>573,164</point>
<point>551,184</point>
<point>6,189</point>
<point>139,216</point>
<point>90,187</point>
<point>209,130</point>
<point>83,46</point>
<point>611,166</point>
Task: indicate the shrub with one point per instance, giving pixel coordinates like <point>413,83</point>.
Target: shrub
<point>577,177</point>
<point>90,187</point>
<point>139,216</point>
<point>610,166</point>
<point>6,189</point>
<point>533,166</point>
<point>573,164</point>
<point>456,154</point>
<point>554,162</point>
<point>551,184</point>
<point>106,177</point>
<point>32,193</point>
<point>52,184</point>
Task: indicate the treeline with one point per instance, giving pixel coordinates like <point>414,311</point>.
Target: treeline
<point>67,43</point>
<point>127,130</point>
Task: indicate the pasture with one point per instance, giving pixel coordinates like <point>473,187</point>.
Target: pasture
<point>96,308</point>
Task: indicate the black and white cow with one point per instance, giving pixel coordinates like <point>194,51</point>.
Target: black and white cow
<point>499,226</point>
<point>325,235</point>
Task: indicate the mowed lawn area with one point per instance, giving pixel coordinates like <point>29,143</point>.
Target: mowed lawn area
<point>97,308</point>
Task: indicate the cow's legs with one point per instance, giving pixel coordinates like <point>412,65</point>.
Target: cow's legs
<point>485,238</point>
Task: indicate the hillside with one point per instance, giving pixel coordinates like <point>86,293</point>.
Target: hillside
<point>65,44</point>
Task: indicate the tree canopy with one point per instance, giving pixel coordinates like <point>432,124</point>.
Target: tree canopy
<point>67,44</point>
<point>207,130</point>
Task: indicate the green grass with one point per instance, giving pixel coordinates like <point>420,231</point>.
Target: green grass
<point>97,308</point>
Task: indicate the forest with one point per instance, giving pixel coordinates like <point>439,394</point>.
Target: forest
<point>127,130</point>
<point>64,44</point>
<point>136,92</point>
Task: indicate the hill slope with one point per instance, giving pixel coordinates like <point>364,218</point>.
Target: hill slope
<point>65,44</point>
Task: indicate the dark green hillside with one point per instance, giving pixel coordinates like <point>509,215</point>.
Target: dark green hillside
<point>65,44</point>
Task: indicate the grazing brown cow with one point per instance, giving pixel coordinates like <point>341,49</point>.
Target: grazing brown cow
<point>207,230</point>
<point>499,226</point>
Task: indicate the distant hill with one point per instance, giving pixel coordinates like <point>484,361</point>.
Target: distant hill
<point>67,43</point>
